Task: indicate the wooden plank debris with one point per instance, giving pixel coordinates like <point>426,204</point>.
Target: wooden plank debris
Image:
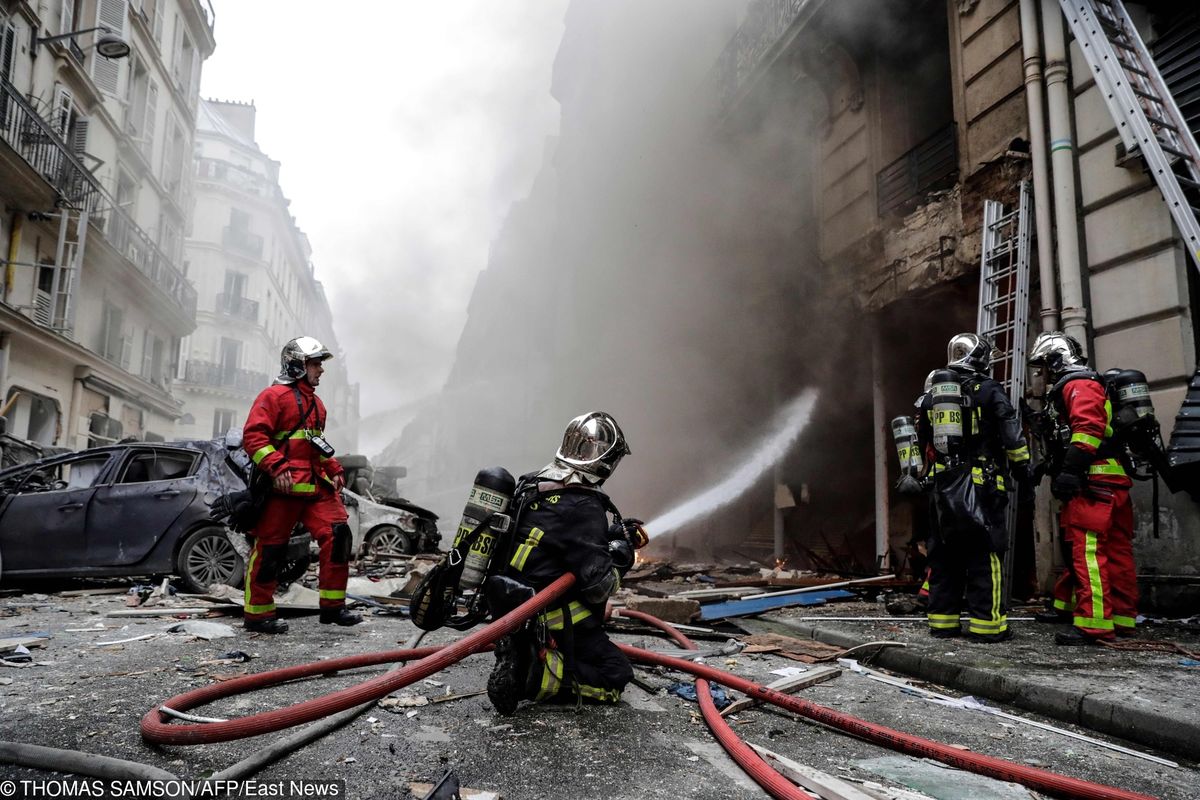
<point>822,784</point>
<point>789,685</point>
<point>22,641</point>
<point>750,607</point>
<point>836,585</point>
<point>172,612</point>
<point>808,651</point>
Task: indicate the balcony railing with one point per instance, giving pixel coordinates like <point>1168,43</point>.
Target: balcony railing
<point>238,307</point>
<point>242,241</point>
<point>240,178</point>
<point>45,151</point>
<point>928,166</point>
<point>209,373</point>
<point>765,24</point>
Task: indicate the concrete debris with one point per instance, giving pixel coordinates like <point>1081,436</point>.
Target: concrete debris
<point>667,609</point>
<point>204,630</point>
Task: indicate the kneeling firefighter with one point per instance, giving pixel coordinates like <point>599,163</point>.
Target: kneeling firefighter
<point>563,525</point>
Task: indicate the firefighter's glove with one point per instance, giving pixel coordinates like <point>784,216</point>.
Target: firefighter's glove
<point>1072,479</point>
<point>908,485</point>
<point>621,552</point>
<point>597,580</point>
<point>635,532</point>
<point>1020,471</point>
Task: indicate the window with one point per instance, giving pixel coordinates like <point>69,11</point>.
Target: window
<point>8,50</point>
<point>32,416</point>
<point>113,344</point>
<point>103,429</point>
<point>83,472</point>
<point>222,422</point>
<point>106,72</point>
<point>152,358</point>
<point>173,154</point>
<point>157,465</point>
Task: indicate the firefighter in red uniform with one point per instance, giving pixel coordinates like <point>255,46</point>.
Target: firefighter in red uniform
<point>1088,477</point>
<point>284,437</point>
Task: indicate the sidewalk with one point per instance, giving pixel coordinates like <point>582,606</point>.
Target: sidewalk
<point>1144,697</point>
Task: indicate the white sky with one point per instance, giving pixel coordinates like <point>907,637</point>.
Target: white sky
<point>404,130</point>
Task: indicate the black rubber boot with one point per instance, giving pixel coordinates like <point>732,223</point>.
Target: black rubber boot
<point>991,638</point>
<point>1053,616</point>
<point>268,625</point>
<point>1073,637</point>
<point>945,633</point>
<point>339,616</point>
<point>507,684</point>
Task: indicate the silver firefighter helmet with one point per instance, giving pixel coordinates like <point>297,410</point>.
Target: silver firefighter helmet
<point>1057,354</point>
<point>294,355</point>
<point>592,445</point>
<point>969,351</point>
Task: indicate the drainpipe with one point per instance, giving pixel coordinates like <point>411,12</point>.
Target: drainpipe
<point>1042,200</point>
<point>1062,164</point>
<point>14,249</point>
<point>882,445</point>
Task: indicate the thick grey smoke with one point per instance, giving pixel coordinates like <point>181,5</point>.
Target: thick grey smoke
<point>662,269</point>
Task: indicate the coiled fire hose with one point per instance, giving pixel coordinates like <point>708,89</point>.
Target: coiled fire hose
<point>751,763</point>
<point>157,730</point>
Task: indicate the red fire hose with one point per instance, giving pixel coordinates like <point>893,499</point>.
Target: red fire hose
<point>1038,779</point>
<point>763,774</point>
<point>156,730</point>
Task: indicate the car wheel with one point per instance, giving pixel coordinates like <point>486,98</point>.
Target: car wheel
<point>388,541</point>
<point>206,557</point>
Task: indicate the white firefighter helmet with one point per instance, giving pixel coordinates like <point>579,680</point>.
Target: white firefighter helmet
<point>1057,353</point>
<point>969,351</point>
<point>593,444</point>
<point>296,353</point>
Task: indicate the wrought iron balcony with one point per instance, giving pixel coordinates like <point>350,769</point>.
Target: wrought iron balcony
<point>766,23</point>
<point>928,166</point>
<point>36,141</point>
<point>223,376</point>
<point>238,307</point>
<point>242,241</point>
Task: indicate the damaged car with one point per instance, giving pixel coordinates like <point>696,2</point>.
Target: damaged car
<point>125,510</point>
<point>385,525</point>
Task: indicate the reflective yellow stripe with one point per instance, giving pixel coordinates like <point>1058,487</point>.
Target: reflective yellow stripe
<point>1124,622</point>
<point>552,675</point>
<point>978,479</point>
<point>332,594</point>
<point>554,619</point>
<point>1076,438</point>
<point>987,628</point>
<point>1091,543</point>
<point>304,488</point>
<point>531,541</point>
<point>1108,430</point>
<point>263,453</point>
<point>1110,466</point>
<point>600,695</point>
<point>246,606</point>
<point>1020,454</point>
<point>302,433</point>
<point>943,620</point>
<point>1061,605</point>
<point>997,579</point>
<point>1096,623</point>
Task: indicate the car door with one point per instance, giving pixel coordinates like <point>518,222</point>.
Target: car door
<point>149,490</point>
<point>44,520</point>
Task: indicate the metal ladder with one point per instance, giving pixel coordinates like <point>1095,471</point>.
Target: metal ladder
<point>1147,117</point>
<point>1004,311</point>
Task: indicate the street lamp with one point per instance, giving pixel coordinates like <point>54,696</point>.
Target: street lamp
<point>108,44</point>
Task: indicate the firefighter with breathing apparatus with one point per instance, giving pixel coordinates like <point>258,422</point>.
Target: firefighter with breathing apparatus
<point>974,441</point>
<point>1089,441</point>
<point>517,538</point>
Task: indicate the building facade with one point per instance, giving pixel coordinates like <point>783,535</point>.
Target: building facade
<point>95,185</point>
<point>920,111</point>
<point>253,273</point>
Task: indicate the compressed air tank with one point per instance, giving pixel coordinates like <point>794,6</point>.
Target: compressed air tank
<point>946,393</point>
<point>1130,395</point>
<point>904,433</point>
<point>491,494</point>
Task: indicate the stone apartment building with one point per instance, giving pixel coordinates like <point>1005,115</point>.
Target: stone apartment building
<point>98,101</point>
<point>253,273</point>
<point>917,112</point>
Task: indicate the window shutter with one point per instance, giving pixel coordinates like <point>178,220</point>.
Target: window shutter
<point>68,16</point>
<point>79,135</point>
<point>126,351</point>
<point>63,105</point>
<point>148,125</point>
<point>107,72</point>
<point>147,354</point>
<point>8,40</point>
<point>159,12</point>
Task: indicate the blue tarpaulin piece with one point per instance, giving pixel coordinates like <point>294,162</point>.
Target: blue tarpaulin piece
<point>744,608</point>
<point>688,692</point>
